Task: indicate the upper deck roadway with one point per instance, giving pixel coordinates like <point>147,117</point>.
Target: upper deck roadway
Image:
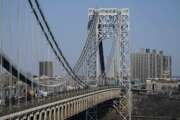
<point>59,106</point>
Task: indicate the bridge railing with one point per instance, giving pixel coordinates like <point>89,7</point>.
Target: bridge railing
<point>38,101</point>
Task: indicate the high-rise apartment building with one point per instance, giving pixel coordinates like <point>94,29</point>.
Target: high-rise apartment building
<point>148,63</point>
<point>46,68</point>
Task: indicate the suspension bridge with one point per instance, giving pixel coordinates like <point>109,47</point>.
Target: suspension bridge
<point>26,38</point>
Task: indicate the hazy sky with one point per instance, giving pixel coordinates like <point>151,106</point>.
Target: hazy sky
<point>153,24</point>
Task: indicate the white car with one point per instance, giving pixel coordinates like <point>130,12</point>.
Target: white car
<point>1,101</point>
<point>42,93</point>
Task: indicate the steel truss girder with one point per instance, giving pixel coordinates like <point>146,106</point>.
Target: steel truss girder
<point>91,114</point>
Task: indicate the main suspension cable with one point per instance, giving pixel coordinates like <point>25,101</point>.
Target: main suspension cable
<point>61,58</point>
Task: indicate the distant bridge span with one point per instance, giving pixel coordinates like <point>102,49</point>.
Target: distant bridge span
<point>6,63</point>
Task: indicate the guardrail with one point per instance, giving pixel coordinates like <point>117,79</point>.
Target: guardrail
<point>5,110</point>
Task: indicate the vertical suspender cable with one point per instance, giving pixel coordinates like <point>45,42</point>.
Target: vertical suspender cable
<point>10,49</point>
<point>1,42</point>
<point>18,21</point>
<point>32,57</point>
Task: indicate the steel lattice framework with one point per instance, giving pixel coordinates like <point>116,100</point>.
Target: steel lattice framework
<point>113,24</point>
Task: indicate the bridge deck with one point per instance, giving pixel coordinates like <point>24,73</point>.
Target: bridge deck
<point>35,102</point>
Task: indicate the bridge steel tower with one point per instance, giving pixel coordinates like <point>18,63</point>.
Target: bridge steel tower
<point>113,24</point>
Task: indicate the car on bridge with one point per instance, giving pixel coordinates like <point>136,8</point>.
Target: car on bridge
<point>2,101</point>
<point>42,93</point>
